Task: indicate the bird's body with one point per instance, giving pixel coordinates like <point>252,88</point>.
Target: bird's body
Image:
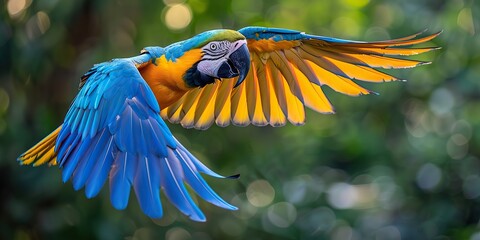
<point>165,77</point>
<point>115,129</point>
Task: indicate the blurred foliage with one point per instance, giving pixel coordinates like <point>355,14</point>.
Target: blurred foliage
<point>402,165</point>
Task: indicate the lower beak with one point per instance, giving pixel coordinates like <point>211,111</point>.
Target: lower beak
<point>238,64</point>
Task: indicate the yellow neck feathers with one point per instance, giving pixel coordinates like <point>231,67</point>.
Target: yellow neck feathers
<point>165,78</point>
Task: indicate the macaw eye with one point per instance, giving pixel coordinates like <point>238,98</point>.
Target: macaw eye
<point>213,46</point>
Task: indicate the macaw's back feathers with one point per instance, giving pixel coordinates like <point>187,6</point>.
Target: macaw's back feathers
<point>288,70</point>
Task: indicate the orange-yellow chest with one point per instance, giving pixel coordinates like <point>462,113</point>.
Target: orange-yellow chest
<point>165,78</point>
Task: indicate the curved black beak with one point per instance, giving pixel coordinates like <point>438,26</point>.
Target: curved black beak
<point>238,64</point>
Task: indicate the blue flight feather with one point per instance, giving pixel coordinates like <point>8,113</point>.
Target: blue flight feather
<point>85,165</point>
<point>81,150</point>
<point>154,133</point>
<point>99,175</point>
<point>147,186</point>
<point>67,148</point>
<point>121,179</point>
<point>95,123</point>
<point>195,180</point>
<point>175,191</point>
<point>88,126</point>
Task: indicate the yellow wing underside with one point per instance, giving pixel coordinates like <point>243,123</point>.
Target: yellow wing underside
<point>286,76</point>
<point>42,152</point>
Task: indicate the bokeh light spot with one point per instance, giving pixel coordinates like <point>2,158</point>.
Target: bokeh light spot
<point>303,189</point>
<point>342,195</point>
<point>178,16</point>
<point>177,233</point>
<point>4,100</point>
<point>16,7</point>
<point>465,20</point>
<point>429,176</point>
<point>43,22</point>
<point>321,219</point>
<point>463,128</point>
<point>442,101</point>
<point>457,146</point>
<point>260,193</point>
<point>295,190</point>
<point>282,214</point>
<point>459,139</point>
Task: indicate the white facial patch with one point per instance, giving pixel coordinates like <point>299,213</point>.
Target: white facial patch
<point>215,53</point>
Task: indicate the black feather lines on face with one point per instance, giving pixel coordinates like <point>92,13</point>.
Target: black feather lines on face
<point>194,78</point>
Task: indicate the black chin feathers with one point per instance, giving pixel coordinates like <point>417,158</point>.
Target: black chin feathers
<point>194,78</point>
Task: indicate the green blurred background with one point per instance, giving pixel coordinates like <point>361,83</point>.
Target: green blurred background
<point>402,165</point>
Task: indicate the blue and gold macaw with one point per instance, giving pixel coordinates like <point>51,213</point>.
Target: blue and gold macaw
<point>115,126</point>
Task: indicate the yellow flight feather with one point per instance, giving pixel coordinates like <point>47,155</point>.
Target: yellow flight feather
<point>43,152</point>
<point>204,112</point>
<point>223,103</point>
<point>239,106</point>
<point>276,115</point>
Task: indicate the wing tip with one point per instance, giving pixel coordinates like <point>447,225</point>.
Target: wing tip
<point>423,63</point>
<point>235,176</point>
<point>278,124</point>
<point>198,218</point>
<point>373,93</point>
<point>298,123</point>
<point>21,159</point>
<point>437,33</point>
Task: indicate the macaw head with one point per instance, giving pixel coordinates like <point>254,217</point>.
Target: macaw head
<point>224,55</point>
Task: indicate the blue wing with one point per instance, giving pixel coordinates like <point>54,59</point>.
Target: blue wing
<point>279,34</point>
<point>113,129</point>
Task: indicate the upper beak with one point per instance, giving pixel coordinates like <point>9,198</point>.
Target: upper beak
<point>241,61</point>
<point>238,64</point>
